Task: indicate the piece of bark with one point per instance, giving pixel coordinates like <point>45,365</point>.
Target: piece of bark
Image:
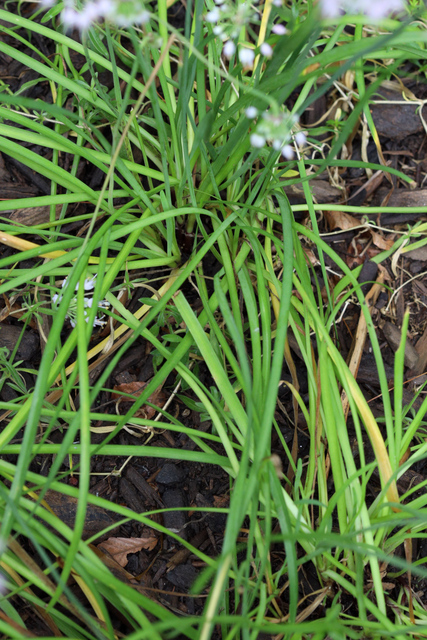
<point>401,198</point>
<point>421,364</point>
<point>182,555</point>
<point>131,496</point>
<point>143,487</point>
<point>97,519</point>
<point>33,215</point>
<point>321,190</point>
<point>395,118</point>
<point>416,254</point>
<point>393,335</point>
<point>9,336</point>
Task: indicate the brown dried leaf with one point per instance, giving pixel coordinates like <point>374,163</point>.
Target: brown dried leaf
<point>221,501</point>
<point>132,388</point>
<point>146,412</point>
<point>344,221</point>
<point>341,220</point>
<point>382,243</point>
<point>119,548</point>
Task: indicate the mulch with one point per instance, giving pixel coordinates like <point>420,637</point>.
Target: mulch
<point>167,570</point>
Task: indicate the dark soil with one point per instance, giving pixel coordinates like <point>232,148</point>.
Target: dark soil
<point>167,571</point>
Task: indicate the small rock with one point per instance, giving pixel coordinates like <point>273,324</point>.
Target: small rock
<point>175,520</point>
<point>393,336</point>
<point>170,475</point>
<point>28,346</point>
<point>183,576</point>
<point>395,119</point>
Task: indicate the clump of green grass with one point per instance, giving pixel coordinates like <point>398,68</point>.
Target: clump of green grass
<point>189,115</point>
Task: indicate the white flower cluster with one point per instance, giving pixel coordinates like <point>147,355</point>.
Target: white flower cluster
<point>89,284</point>
<point>276,129</point>
<point>374,9</point>
<point>122,13</point>
<point>229,18</point>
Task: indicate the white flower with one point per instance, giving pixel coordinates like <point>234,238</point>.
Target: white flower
<point>105,7</point>
<point>218,30</point>
<point>251,112</point>
<point>375,9</point>
<point>81,20</point>
<point>278,29</point>
<point>122,19</point>
<point>68,17</point>
<point>300,139</point>
<point>143,17</point>
<point>229,49</point>
<point>257,141</point>
<point>266,50</point>
<point>123,13</point>
<point>213,15</point>
<point>277,144</point>
<point>288,152</point>
<point>277,3</point>
<point>246,57</point>
<point>90,283</point>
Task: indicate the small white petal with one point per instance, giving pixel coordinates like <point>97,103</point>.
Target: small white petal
<point>251,112</point>
<point>279,29</point>
<point>300,139</point>
<point>257,140</point>
<point>277,144</point>
<point>89,283</point>
<point>229,49</point>
<point>246,56</point>
<point>68,17</point>
<point>213,16</point>
<point>288,152</point>
<point>266,50</point>
<point>331,8</point>
<point>91,12</point>
<point>105,7</point>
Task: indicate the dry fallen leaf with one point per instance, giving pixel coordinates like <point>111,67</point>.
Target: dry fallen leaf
<point>135,389</point>
<point>132,388</point>
<point>381,242</point>
<point>119,548</point>
<point>344,221</point>
<point>341,220</point>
